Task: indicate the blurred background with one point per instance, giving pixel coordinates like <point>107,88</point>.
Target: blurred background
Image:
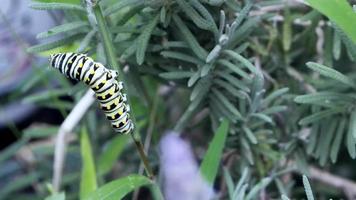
<point>273,137</point>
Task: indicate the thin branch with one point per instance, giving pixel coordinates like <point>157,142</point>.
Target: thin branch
<point>66,127</point>
<point>348,187</point>
<point>94,8</point>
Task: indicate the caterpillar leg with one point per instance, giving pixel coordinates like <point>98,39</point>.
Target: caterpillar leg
<point>114,73</point>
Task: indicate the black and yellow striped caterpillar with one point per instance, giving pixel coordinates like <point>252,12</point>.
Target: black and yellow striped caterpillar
<point>107,89</point>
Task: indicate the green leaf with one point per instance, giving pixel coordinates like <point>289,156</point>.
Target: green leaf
<point>88,179</point>
<point>307,188</point>
<point>194,78</point>
<point>118,189</point>
<point>181,56</point>
<point>351,142</point>
<point>111,153</point>
<point>77,26</point>
<point>118,5</point>
<point>243,60</point>
<point>229,182</point>
<point>57,6</point>
<point>201,88</point>
<point>211,161</point>
<point>336,46</point>
<point>46,95</point>
<point>194,16</point>
<point>143,40</point>
<point>331,73</point>
<point>189,38</point>
<point>250,135</point>
<point>323,98</point>
<point>234,68</point>
<point>263,117</point>
<point>287,30</point>
<point>335,146</point>
<point>353,123</point>
<point>340,12</point>
<point>274,95</point>
<point>176,75</point>
<point>232,90</point>
<point>57,196</point>
<point>242,181</point>
<point>233,81</point>
<point>53,44</point>
<point>254,191</point>
<point>318,116</point>
<point>226,103</point>
<point>40,131</point>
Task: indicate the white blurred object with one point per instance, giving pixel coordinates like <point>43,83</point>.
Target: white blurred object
<point>181,177</point>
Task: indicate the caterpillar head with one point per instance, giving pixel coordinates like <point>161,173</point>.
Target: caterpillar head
<point>54,59</point>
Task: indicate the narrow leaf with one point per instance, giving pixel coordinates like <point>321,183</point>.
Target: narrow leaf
<point>340,12</point>
<point>57,6</point>
<point>176,75</point>
<point>211,161</point>
<point>77,26</point>
<point>118,189</point>
<point>318,116</point>
<point>335,147</point>
<point>353,123</point>
<point>143,40</point>
<point>190,39</point>
<point>331,73</point>
<point>88,179</point>
<point>254,191</point>
<point>53,44</point>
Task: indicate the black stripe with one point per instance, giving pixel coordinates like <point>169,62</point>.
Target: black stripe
<point>112,85</point>
<point>69,65</point>
<point>90,64</point>
<point>60,66</point>
<point>78,72</point>
<point>54,60</point>
<point>76,66</point>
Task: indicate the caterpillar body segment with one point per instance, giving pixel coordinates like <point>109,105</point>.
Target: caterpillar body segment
<point>102,81</point>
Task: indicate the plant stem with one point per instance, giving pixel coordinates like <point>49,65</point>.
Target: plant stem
<point>111,60</point>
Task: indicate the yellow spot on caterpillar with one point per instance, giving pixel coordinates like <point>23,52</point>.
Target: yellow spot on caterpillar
<point>80,65</point>
<point>120,112</point>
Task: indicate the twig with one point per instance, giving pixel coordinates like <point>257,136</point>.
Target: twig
<point>66,127</point>
<point>348,187</point>
<point>94,8</point>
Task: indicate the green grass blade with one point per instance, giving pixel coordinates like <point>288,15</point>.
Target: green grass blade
<point>118,189</point>
<point>88,182</point>
<point>340,12</point>
<point>211,161</point>
<point>111,153</point>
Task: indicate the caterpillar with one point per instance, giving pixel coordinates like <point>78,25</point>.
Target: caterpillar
<point>102,81</point>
